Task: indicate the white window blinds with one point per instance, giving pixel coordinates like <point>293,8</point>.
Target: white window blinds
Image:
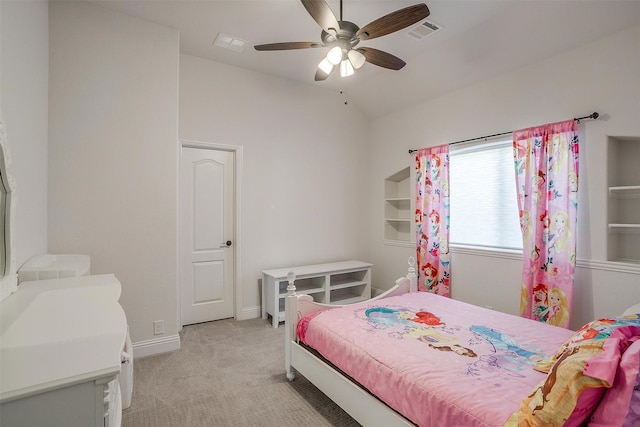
<point>484,207</point>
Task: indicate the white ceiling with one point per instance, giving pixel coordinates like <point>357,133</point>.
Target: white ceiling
<point>480,39</point>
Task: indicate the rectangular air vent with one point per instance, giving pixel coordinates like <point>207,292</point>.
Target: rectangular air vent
<point>229,42</point>
<point>423,30</point>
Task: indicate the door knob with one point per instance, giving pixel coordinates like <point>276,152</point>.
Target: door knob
<point>226,244</point>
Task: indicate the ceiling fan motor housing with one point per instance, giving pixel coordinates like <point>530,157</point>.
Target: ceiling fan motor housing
<point>345,36</point>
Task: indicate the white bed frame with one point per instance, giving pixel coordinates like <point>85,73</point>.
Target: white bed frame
<point>351,397</point>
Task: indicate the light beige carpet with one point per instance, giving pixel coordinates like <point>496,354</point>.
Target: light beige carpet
<point>226,373</point>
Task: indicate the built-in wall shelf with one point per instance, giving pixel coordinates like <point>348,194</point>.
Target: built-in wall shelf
<point>625,191</point>
<point>623,207</point>
<point>397,208</point>
<point>624,227</point>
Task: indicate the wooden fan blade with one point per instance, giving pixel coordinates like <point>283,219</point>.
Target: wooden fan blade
<point>393,22</point>
<point>322,14</point>
<point>382,59</point>
<point>287,46</point>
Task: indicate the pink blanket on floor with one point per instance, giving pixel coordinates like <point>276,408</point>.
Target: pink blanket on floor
<point>435,360</point>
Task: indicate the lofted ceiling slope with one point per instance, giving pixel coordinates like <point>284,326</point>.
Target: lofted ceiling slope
<point>479,39</point>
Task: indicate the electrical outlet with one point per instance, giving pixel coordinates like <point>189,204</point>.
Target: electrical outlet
<point>158,327</point>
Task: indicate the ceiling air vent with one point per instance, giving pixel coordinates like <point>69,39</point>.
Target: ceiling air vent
<point>423,30</point>
<point>229,42</point>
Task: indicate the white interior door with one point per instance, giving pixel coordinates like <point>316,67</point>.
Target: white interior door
<point>206,235</point>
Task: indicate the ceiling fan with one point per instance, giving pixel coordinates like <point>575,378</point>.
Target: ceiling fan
<point>342,37</point>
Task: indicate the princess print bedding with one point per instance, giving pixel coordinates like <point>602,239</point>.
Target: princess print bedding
<point>435,360</point>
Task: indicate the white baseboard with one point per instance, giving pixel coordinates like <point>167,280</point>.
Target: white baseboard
<point>172,343</point>
<point>249,313</point>
<point>156,346</point>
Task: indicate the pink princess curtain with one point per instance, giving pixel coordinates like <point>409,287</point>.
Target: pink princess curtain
<point>546,162</point>
<point>432,219</point>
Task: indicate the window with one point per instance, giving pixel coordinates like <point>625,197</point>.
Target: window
<point>484,204</point>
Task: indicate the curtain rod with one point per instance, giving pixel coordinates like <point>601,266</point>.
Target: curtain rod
<point>593,115</point>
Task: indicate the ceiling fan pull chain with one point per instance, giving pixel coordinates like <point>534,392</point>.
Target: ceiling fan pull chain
<point>346,101</point>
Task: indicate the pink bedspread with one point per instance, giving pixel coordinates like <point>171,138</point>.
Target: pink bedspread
<point>437,361</point>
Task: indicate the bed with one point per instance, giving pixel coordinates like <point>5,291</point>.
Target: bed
<point>415,358</point>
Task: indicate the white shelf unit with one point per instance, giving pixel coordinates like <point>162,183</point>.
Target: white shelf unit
<point>397,207</point>
<point>343,282</point>
<point>624,199</point>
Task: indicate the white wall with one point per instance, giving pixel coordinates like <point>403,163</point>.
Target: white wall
<point>113,115</point>
<point>24,74</point>
<point>114,154</point>
<point>305,168</point>
<point>113,111</point>
<point>601,76</point>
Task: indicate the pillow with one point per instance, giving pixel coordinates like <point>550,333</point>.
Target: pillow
<point>620,404</point>
<point>634,309</point>
<point>578,374</point>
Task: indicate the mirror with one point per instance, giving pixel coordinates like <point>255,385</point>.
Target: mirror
<point>8,276</point>
<point>3,206</point>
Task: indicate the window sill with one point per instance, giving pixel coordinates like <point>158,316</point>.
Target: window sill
<point>613,266</point>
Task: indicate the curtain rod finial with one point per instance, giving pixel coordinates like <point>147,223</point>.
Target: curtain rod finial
<point>593,116</point>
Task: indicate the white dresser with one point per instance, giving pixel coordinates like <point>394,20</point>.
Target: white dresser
<point>61,344</point>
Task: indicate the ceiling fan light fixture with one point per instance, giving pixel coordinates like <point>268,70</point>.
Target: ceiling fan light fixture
<point>356,58</point>
<point>325,66</point>
<point>335,55</point>
<point>342,36</point>
<point>346,69</point>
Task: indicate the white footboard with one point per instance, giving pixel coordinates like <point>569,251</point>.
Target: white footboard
<point>357,402</point>
<point>352,398</point>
